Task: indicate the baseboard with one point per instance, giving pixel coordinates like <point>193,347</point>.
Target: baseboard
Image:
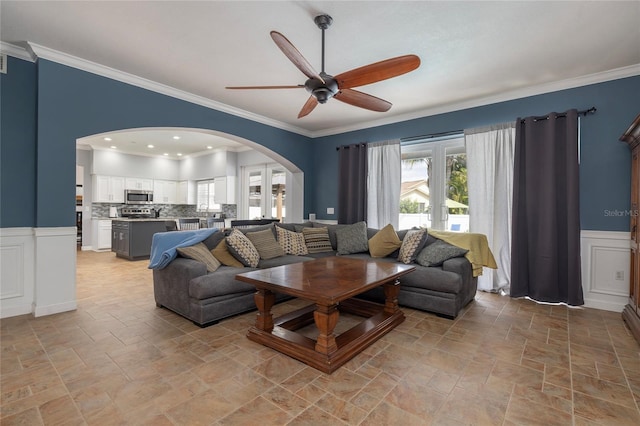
<point>40,311</point>
<point>613,306</point>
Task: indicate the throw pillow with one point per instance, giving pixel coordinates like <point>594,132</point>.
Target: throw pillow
<point>435,254</point>
<point>317,240</point>
<point>242,249</point>
<point>266,244</point>
<point>413,242</point>
<point>201,253</point>
<point>384,242</point>
<point>221,252</point>
<point>291,242</point>
<point>352,238</point>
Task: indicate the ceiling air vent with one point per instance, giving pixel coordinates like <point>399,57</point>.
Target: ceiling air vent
<point>3,63</point>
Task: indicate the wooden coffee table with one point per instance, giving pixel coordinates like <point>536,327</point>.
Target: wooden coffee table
<point>330,283</point>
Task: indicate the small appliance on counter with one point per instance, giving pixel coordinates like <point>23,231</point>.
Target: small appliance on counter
<point>113,212</point>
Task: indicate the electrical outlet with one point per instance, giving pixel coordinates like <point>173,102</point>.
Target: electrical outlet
<point>620,275</point>
<point>330,210</point>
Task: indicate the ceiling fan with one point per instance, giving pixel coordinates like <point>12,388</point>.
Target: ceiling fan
<point>323,86</point>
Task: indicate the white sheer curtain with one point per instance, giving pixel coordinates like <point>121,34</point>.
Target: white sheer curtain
<point>490,157</point>
<point>383,183</point>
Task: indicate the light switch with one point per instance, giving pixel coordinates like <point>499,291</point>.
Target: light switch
<point>329,210</point>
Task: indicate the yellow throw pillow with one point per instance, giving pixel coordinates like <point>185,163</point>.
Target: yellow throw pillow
<point>385,242</point>
<point>221,253</point>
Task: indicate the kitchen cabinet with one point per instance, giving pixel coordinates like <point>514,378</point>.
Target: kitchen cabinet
<point>138,183</point>
<point>186,192</point>
<point>132,239</point>
<point>108,189</point>
<point>224,190</point>
<point>101,234</point>
<point>165,191</point>
<point>631,312</point>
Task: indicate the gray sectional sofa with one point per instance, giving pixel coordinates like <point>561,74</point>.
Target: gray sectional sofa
<point>185,286</point>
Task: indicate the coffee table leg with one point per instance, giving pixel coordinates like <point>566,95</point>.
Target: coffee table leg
<point>391,291</point>
<point>264,301</point>
<point>326,318</point>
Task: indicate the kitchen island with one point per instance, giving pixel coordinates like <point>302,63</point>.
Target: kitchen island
<point>131,238</point>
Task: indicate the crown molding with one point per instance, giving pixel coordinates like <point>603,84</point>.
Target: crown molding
<point>134,80</point>
<point>615,74</point>
<point>17,51</point>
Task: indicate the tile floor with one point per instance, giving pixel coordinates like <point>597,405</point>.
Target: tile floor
<point>120,360</point>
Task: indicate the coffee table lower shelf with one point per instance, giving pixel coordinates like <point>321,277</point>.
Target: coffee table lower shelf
<point>285,339</point>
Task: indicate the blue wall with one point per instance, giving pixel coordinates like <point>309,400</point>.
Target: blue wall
<point>73,103</point>
<point>18,144</point>
<point>605,161</point>
<point>47,106</point>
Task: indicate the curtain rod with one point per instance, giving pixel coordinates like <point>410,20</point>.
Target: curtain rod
<point>348,146</point>
<point>583,112</point>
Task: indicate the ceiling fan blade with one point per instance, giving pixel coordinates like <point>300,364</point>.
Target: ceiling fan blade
<point>295,56</point>
<point>378,71</point>
<point>362,100</point>
<point>308,106</point>
<point>299,86</point>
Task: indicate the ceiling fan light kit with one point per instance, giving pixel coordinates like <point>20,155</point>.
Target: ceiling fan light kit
<point>323,86</point>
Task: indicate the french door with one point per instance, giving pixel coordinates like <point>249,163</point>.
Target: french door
<point>263,192</point>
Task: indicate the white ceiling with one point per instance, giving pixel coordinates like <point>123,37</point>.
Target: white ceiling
<point>471,52</point>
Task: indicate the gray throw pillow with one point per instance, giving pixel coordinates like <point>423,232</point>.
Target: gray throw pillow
<point>437,253</point>
<point>265,243</point>
<point>352,238</point>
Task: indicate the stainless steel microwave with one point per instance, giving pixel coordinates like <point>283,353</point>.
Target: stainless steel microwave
<point>137,196</point>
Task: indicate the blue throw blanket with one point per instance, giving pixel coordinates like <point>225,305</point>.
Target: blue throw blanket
<point>164,244</point>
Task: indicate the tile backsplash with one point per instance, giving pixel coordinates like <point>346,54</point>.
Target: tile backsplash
<point>101,210</point>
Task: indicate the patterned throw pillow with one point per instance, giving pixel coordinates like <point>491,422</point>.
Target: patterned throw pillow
<point>266,244</point>
<point>352,238</point>
<point>291,242</point>
<point>221,252</point>
<point>436,253</point>
<point>317,239</point>
<point>413,242</point>
<point>384,242</point>
<point>242,249</point>
<point>201,253</point>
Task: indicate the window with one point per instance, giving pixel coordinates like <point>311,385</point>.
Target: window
<point>434,185</point>
<point>206,196</point>
<point>260,201</point>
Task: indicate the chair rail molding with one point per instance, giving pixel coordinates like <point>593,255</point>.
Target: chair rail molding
<point>605,269</point>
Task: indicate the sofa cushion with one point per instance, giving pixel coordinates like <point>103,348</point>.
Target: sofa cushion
<point>384,242</point>
<point>221,252</point>
<point>287,259</point>
<point>317,240</point>
<point>265,243</point>
<point>412,243</point>
<point>352,239</point>
<point>430,279</point>
<point>435,254</point>
<point>220,283</point>
<point>291,242</point>
<point>242,249</point>
<point>201,253</point>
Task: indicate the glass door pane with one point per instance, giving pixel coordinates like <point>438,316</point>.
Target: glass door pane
<point>457,201</point>
<point>256,178</point>
<point>278,193</point>
<point>415,199</point>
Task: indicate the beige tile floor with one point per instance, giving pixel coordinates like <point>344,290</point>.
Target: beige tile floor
<point>120,360</point>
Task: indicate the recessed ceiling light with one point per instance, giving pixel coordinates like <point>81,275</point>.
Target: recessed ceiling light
<point>209,147</point>
<point>176,137</point>
<point>114,147</point>
<point>107,139</point>
<point>166,153</point>
<point>150,146</point>
<point>179,154</point>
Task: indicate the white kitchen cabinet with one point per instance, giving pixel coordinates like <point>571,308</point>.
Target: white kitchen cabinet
<point>186,192</point>
<point>101,234</point>
<point>224,190</point>
<point>108,189</point>
<point>138,183</point>
<point>165,191</point>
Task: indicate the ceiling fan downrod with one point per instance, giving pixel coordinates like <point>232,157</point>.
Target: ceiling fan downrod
<point>323,22</point>
<point>322,91</point>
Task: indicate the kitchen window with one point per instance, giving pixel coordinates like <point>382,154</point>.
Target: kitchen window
<point>206,196</point>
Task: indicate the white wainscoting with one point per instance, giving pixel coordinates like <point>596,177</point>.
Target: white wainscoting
<point>38,271</point>
<point>605,269</point>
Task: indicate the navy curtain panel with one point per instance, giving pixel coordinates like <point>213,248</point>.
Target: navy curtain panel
<point>545,253</point>
<point>352,183</point>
